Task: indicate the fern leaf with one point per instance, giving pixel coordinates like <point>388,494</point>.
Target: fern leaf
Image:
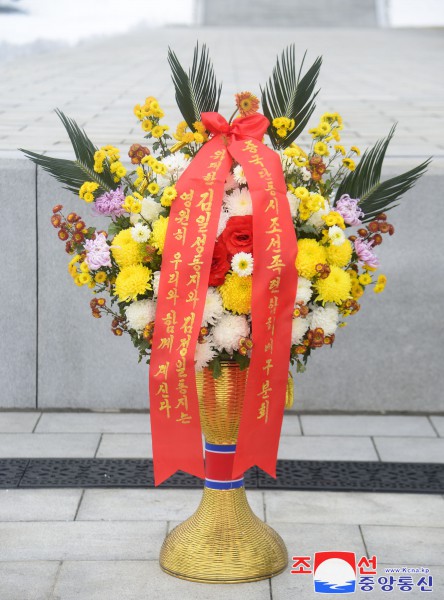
<point>196,92</point>
<point>376,196</point>
<point>73,173</point>
<point>286,94</point>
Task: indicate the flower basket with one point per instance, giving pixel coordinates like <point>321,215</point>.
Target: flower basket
<point>231,252</point>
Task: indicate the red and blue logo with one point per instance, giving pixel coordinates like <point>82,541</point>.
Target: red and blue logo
<point>334,572</point>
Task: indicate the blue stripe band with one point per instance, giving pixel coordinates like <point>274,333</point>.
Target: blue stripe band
<point>224,485</point>
<point>220,448</point>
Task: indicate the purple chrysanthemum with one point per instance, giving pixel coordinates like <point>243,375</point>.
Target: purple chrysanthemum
<point>110,203</point>
<point>364,250</point>
<point>349,210</point>
<point>97,253</point>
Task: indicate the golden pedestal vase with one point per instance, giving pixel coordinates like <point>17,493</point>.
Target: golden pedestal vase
<point>223,541</point>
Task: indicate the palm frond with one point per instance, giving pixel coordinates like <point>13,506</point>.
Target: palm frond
<point>286,94</point>
<point>196,92</point>
<point>376,196</point>
<point>73,173</point>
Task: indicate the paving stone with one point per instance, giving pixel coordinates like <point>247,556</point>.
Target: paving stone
<point>125,445</point>
<point>438,422</point>
<point>81,540</point>
<point>405,449</point>
<point>33,580</point>
<point>423,546</point>
<point>355,508</point>
<point>89,422</point>
<point>48,445</point>
<point>18,422</point>
<point>153,505</point>
<point>39,505</point>
<point>131,580</point>
<point>303,539</point>
<point>389,425</point>
<point>291,425</point>
<point>326,448</point>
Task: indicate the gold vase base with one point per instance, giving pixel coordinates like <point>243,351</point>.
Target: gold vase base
<point>223,542</point>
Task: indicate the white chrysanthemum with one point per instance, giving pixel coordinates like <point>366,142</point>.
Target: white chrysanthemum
<point>230,183</point>
<point>304,291</point>
<point>238,203</point>
<point>150,209</point>
<point>140,313</point>
<point>305,174</point>
<point>204,354</point>
<point>298,328</point>
<point>140,232</point>
<point>134,218</point>
<point>239,175</point>
<point>228,332</point>
<point>214,308</point>
<point>176,164</point>
<point>326,317</point>
<point>223,219</point>
<point>336,235</point>
<point>242,264</point>
<point>316,219</point>
<point>155,283</point>
<point>294,202</point>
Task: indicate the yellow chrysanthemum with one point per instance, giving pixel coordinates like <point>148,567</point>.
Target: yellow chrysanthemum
<point>356,150</point>
<point>153,188</point>
<point>100,277</point>
<point>365,279</point>
<point>321,148</point>
<point>125,250</point>
<point>158,233</point>
<point>86,191</point>
<point>157,131</point>
<point>334,288</point>
<point>310,254</point>
<point>357,290</point>
<point>340,149</point>
<point>131,282</point>
<point>339,255</point>
<point>236,293</point>
<point>169,193</point>
<point>349,163</point>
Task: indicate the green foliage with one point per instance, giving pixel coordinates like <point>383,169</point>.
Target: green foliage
<point>198,91</point>
<point>365,181</point>
<point>73,173</point>
<point>288,95</point>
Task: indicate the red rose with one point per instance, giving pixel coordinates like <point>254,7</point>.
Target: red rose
<point>219,264</point>
<point>238,235</point>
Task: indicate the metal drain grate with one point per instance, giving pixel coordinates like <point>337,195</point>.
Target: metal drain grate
<point>291,475</point>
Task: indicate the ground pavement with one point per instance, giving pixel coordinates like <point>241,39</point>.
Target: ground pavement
<point>103,544</point>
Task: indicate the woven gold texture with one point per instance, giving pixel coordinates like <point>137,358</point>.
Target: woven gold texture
<point>223,541</point>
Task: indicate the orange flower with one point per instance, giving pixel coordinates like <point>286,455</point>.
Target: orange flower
<point>247,103</point>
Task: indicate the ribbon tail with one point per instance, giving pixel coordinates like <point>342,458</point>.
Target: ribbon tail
<point>189,244</point>
<point>273,297</point>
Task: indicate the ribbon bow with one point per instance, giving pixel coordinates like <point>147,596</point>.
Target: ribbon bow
<point>186,263</point>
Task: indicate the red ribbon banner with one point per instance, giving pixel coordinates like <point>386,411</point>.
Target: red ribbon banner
<point>187,256</point>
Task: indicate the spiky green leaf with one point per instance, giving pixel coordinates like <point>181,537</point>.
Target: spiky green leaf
<point>286,94</point>
<point>73,173</point>
<point>376,196</point>
<point>197,91</point>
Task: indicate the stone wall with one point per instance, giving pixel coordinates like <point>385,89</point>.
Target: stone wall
<point>55,355</point>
